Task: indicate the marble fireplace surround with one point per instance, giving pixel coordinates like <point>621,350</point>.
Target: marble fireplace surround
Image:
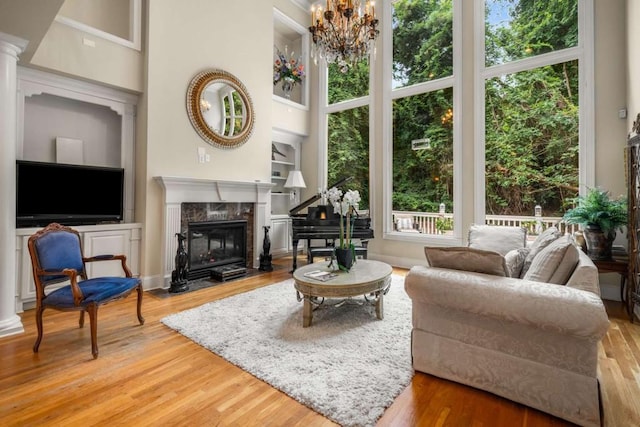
<point>177,190</point>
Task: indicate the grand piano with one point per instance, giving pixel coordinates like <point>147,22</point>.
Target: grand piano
<point>320,222</point>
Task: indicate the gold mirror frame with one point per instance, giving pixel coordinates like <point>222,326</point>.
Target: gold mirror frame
<point>195,92</point>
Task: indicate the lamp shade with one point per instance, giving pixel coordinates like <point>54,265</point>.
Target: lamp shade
<point>295,180</point>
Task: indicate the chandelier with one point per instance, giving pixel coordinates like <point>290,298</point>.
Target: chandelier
<point>343,33</point>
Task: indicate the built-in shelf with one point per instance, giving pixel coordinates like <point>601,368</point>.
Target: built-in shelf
<point>289,34</point>
<point>280,162</point>
<point>285,158</point>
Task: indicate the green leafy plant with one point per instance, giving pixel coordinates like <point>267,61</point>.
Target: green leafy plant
<point>597,210</point>
<point>444,224</point>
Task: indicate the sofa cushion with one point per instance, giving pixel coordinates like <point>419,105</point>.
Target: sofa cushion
<point>515,260</point>
<point>406,225</point>
<point>547,237</point>
<point>496,238</point>
<point>467,259</point>
<point>555,263</point>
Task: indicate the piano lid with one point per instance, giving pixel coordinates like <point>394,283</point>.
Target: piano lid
<point>316,197</point>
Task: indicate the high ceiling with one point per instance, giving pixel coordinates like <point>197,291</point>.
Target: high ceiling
<point>28,19</point>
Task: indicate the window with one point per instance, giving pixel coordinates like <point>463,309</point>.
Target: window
<point>533,131</point>
<point>422,41</point>
<point>349,150</point>
<point>529,135</point>
<point>348,129</point>
<point>518,29</point>
<point>423,159</point>
<point>350,85</point>
<point>423,115</point>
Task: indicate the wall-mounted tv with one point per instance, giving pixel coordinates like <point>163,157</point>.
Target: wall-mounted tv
<point>67,194</point>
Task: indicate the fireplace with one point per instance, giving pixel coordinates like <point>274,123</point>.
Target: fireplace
<point>181,190</point>
<point>217,249</point>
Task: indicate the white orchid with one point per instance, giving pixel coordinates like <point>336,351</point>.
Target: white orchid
<point>334,194</point>
<point>344,206</point>
<point>352,197</point>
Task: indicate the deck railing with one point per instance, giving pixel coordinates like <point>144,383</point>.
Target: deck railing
<point>437,223</point>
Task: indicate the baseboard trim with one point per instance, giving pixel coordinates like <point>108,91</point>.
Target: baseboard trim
<point>11,326</point>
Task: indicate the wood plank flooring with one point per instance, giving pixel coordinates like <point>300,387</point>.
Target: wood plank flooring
<point>152,376</point>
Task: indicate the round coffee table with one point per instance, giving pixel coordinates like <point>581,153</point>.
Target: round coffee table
<point>366,277</point>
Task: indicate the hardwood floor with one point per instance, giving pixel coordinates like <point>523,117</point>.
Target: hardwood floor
<point>151,375</point>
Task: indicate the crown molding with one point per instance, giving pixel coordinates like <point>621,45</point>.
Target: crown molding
<point>303,4</point>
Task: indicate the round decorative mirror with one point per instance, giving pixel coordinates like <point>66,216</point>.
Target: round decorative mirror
<point>220,109</point>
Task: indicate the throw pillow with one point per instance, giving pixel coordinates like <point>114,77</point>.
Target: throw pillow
<point>467,259</point>
<point>496,238</point>
<point>404,224</point>
<point>547,237</point>
<point>515,260</point>
<point>555,263</point>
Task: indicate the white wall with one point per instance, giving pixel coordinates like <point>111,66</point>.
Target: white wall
<point>111,16</point>
<point>288,115</point>
<point>63,50</point>
<point>186,38</point>
<point>47,117</point>
<point>611,95</point>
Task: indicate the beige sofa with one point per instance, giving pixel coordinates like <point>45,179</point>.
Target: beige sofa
<point>530,342</point>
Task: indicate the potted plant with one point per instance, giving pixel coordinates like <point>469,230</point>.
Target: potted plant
<point>600,217</point>
<point>344,206</point>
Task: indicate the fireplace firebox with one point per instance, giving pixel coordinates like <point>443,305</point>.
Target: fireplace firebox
<point>217,249</point>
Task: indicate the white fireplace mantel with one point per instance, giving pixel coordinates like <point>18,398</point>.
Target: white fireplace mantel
<point>177,190</point>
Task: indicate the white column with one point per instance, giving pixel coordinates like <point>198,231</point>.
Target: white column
<point>10,48</point>
<point>128,136</point>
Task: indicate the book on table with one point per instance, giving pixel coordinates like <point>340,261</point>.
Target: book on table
<point>321,275</point>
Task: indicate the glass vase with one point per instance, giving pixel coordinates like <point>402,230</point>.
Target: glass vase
<point>287,86</point>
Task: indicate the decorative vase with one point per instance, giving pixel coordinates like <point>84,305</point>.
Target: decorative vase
<point>598,243</point>
<point>287,86</point>
<point>345,258</point>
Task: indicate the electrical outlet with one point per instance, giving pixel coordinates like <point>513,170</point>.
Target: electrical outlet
<point>207,158</point>
<point>201,155</point>
<point>622,113</point>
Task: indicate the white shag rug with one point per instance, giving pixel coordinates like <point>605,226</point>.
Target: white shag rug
<point>349,366</point>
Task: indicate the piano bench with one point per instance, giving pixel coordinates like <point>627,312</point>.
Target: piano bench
<point>361,251</point>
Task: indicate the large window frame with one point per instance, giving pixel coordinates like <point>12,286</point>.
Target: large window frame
<point>326,109</point>
<point>389,95</point>
<point>583,53</point>
<point>382,94</point>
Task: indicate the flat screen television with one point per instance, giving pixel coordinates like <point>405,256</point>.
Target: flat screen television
<point>67,194</point>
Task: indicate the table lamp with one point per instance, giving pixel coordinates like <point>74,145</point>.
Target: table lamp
<point>294,180</point>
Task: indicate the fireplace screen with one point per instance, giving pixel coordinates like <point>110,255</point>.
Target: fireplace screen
<point>213,244</point>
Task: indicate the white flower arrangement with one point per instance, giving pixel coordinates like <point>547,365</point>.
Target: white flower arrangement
<point>344,206</point>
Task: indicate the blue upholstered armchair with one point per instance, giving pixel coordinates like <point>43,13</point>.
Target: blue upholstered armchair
<point>56,256</point>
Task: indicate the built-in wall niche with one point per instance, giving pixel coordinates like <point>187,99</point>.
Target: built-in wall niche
<point>118,21</point>
<point>51,106</point>
<point>290,35</point>
<point>49,117</point>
